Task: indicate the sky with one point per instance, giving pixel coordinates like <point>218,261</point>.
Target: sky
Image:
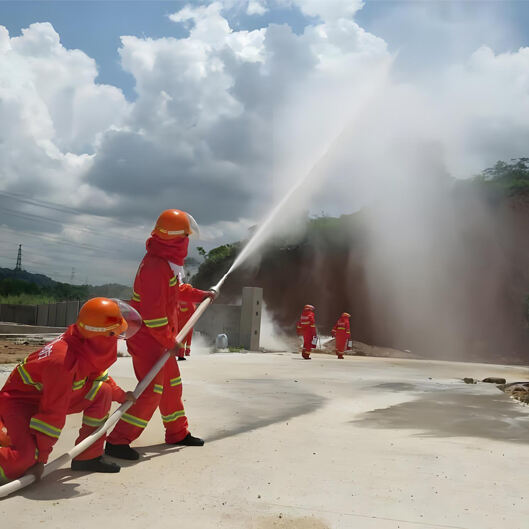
<point>112,111</point>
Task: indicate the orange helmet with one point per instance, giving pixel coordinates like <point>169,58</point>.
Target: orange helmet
<point>174,223</point>
<point>309,307</point>
<point>345,315</point>
<point>100,317</point>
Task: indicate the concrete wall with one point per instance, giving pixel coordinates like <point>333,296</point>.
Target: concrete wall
<point>52,314</point>
<point>221,319</point>
<point>26,314</point>
<point>42,315</point>
<point>241,323</point>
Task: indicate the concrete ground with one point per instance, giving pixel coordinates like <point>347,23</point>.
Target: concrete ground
<point>365,443</point>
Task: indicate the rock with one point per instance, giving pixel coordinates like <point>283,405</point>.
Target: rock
<point>468,380</point>
<point>494,380</point>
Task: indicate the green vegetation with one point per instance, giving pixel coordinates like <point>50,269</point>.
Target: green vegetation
<point>216,263</point>
<point>22,292</point>
<point>507,178</point>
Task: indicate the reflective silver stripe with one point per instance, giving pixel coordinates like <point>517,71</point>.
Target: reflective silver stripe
<point>102,377</point>
<point>175,381</point>
<point>173,416</point>
<point>44,427</point>
<point>96,386</point>
<point>92,421</point>
<point>26,377</point>
<point>135,421</point>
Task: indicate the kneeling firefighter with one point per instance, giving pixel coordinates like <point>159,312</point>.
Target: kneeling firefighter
<point>66,376</point>
<point>306,327</point>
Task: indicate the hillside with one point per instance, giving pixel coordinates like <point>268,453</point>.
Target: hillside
<point>28,288</point>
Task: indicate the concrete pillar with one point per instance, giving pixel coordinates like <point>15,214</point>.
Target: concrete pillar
<point>252,305</point>
<point>42,314</point>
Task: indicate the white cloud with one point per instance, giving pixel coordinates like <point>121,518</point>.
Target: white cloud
<point>256,7</point>
<point>225,120</point>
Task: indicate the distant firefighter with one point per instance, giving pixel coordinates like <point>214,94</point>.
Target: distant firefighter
<point>306,327</point>
<point>185,311</point>
<point>342,333</point>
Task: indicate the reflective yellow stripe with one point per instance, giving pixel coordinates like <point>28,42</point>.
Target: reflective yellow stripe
<point>94,390</point>
<point>93,421</point>
<point>340,328</point>
<point>135,296</point>
<point>3,476</point>
<point>44,427</point>
<point>135,421</point>
<point>78,384</point>
<point>158,389</point>
<point>173,281</point>
<point>175,381</point>
<point>36,454</point>
<point>184,309</point>
<point>102,377</point>
<point>159,322</point>
<point>173,416</point>
<point>26,377</point>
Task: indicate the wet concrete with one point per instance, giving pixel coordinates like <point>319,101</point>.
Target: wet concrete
<point>361,443</point>
<point>454,413</point>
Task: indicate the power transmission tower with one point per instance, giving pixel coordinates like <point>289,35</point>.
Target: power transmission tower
<point>18,267</point>
<point>72,275</point>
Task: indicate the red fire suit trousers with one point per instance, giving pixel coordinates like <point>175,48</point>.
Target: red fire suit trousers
<point>164,392</point>
<point>16,415</point>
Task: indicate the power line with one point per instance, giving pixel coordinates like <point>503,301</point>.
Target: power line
<point>21,197</point>
<point>85,228</point>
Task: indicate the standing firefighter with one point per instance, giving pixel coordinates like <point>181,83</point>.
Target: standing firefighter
<point>342,333</point>
<point>306,327</point>
<point>157,292</point>
<point>185,311</point>
<point>66,376</point>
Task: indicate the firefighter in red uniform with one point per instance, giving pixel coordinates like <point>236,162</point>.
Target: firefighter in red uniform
<point>66,376</point>
<point>157,292</point>
<point>342,334</point>
<point>306,327</point>
<point>185,311</point>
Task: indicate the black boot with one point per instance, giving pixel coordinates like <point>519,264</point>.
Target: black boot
<point>180,358</point>
<point>98,464</point>
<point>189,440</point>
<point>121,452</point>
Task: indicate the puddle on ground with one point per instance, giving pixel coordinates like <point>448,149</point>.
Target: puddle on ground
<point>455,414</point>
<point>262,402</point>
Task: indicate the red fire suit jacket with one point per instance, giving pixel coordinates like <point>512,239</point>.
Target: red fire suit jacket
<point>51,378</point>
<point>156,295</point>
<point>306,325</point>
